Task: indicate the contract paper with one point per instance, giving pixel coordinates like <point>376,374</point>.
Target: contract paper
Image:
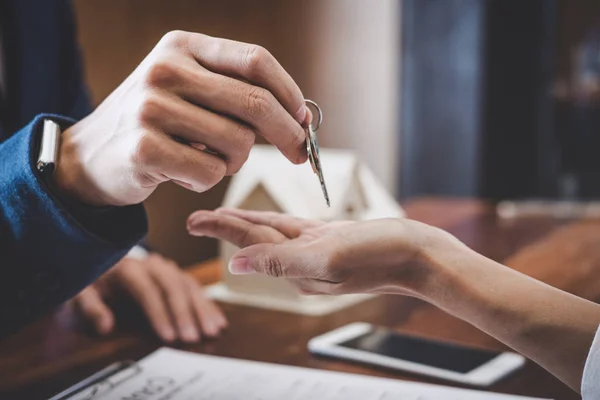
<point>169,374</point>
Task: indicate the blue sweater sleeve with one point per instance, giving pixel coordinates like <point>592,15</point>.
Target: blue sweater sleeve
<point>50,251</point>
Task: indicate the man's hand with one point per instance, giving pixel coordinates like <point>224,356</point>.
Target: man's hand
<point>383,256</point>
<point>172,300</point>
<point>188,114</point>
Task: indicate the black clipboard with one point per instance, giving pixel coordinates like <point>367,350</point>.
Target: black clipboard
<point>101,383</point>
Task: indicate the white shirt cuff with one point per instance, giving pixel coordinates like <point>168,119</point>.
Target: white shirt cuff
<point>138,252</point>
<point>590,384</point>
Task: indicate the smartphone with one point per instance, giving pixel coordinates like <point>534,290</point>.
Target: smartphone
<point>382,347</point>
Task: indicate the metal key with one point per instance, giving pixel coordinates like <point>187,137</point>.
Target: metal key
<point>312,148</point>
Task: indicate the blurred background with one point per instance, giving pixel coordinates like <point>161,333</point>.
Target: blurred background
<point>497,99</point>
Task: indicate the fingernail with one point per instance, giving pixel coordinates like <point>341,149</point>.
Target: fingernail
<point>198,146</point>
<point>191,226</point>
<point>189,334</point>
<point>167,333</point>
<point>301,114</point>
<point>211,330</point>
<point>240,266</point>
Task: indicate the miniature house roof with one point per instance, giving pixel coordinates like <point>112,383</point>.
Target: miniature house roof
<point>295,189</point>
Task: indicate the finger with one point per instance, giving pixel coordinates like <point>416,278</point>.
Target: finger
<point>253,63</point>
<point>290,226</point>
<point>93,308</point>
<point>142,288</point>
<point>312,287</point>
<point>289,260</point>
<point>231,229</point>
<point>208,315</point>
<point>170,280</point>
<point>308,119</point>
<point>167,159</point>
<point>255,106</point>
<point>203,128</point>
<point>262,102</point>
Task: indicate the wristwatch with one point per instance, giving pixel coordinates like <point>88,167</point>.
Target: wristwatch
<point>49,146</point>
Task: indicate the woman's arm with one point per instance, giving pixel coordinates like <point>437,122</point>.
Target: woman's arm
<point>552,327</point>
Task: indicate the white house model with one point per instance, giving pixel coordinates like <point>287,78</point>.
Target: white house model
<point>269,182</point>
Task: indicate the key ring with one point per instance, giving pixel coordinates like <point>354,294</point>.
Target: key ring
<point>319,114</point>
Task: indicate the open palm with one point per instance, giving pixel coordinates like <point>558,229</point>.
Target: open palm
<point>319,257</point>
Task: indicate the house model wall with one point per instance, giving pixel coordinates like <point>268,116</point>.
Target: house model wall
<point>269,182</point>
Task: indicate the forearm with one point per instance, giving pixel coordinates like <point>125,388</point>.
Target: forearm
<point>549,326</point>
<point>49,250</point>
<point>405,257</point>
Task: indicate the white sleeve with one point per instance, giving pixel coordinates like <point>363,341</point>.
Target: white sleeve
<point>137,252</point>
<point>590,384</point>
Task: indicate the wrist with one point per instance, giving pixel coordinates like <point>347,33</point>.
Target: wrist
<point>70,180</point>
<point>443,261</point>
<point>465,283</point>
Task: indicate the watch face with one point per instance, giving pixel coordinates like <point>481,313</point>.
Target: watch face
<point>49,146</point>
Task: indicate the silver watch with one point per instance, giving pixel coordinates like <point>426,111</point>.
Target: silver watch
<point>49,146</point>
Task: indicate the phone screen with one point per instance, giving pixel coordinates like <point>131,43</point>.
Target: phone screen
<point>421,351</point>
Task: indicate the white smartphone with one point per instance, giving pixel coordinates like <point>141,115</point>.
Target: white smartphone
<point>366,343</point>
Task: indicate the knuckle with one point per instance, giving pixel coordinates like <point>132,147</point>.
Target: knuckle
<point>258,104</point>
<point>243,237</point>
<point>146,151</point>
<point>254,58</point>
<point>244,141</point>
<point>174,39</point>
<point>215,171</point>
<point>161,73</point>
<point>172,294</point>
<point>172,266</point>
<point>298,142</point>
<point>272,266</point>
<point>214,46</point>
<point>128,277</point>
<point>191,282</point>
<point>150,108</point>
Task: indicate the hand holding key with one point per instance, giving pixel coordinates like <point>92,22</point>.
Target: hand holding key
<point>188,114</point>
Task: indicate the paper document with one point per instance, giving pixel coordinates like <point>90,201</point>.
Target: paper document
<point>169,374</point>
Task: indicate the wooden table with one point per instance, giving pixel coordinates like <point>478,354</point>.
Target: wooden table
<point>55,352</point>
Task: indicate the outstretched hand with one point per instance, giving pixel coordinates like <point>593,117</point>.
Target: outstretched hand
<point>382,256</point>
<point>400,256</point>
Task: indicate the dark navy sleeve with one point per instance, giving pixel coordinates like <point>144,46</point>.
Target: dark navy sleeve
<point>76,102</point>
<point>50,250</point>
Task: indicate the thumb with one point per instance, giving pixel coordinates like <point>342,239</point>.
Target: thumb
<point>278,260</point>
<point>92,307</point>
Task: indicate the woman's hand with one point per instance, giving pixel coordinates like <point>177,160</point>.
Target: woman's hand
<point>173,301</point>
<point>379,256</point>
<point>552,327</point>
